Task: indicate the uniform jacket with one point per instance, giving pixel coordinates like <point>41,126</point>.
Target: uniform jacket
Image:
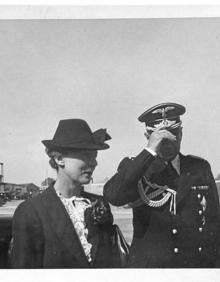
<point>187,239</point>
<point>44,236</point>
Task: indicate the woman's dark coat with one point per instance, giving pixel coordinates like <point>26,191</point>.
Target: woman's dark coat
<point>44,236</point>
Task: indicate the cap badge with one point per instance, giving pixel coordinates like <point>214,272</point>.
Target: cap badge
<point>163,111</point>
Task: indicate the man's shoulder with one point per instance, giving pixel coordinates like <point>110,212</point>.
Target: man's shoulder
<point>197,160</point>
<point>125,161</point>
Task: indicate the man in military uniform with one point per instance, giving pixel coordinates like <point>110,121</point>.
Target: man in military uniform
<point>174,198</point>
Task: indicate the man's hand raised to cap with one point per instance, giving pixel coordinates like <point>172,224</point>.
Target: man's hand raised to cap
<point>157,139</point>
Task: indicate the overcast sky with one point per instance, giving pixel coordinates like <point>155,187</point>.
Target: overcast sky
<point>107,72</point>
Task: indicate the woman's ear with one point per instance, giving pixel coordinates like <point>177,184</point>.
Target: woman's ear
<point>147,135</point>
<point>59,161</point>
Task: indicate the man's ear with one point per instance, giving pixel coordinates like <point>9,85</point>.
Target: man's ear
<point>59,161</point>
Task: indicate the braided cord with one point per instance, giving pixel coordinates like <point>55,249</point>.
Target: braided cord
<point>147,199</point>
<point>166,192</point>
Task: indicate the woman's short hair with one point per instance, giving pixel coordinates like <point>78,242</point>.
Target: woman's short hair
<point>52,154</point>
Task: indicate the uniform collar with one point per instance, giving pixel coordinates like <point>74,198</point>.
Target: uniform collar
<point>176,163</point>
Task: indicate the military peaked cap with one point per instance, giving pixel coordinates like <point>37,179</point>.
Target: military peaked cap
<point>165,115</point>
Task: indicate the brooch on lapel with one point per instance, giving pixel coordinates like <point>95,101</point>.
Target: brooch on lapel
<point>98,213</point>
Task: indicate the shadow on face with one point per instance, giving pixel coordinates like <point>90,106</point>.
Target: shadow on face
<point>170,149</point>
<point>88,157</point>
<point>78,165</point>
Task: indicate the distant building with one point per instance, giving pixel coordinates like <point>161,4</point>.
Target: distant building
<point>18,191</point>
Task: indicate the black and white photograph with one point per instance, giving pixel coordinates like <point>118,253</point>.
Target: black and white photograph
<point>109,155</point>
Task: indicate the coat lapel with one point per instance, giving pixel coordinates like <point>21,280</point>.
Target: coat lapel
<point>95,242</point>
<point>63,227</point>
<point>185,180</point>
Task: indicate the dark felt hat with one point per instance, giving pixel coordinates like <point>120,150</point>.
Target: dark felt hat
<point>163,115</point>
<point>76,134</point>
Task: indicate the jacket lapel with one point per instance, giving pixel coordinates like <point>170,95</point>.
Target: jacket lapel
<point>185,180</point>
<point>95,242</point>
<point>63,227</point>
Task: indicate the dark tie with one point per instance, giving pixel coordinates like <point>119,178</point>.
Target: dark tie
<point>172,171</point>
<point>171,174</point>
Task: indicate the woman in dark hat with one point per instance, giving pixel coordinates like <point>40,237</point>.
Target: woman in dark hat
<point>65,227</point>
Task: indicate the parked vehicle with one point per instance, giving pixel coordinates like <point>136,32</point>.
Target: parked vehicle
<point>6,214</point>
<point>5,238</point>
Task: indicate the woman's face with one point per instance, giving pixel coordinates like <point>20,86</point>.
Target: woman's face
<point>79,165</point>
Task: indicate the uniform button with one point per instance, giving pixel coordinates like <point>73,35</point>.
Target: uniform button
<point>200,212</point>
<point>174,231</point>
<point>176,250</point>
<point>200,249</point>
<point>200,229</point>
<point>199,196</point>
<point>203,220</point>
